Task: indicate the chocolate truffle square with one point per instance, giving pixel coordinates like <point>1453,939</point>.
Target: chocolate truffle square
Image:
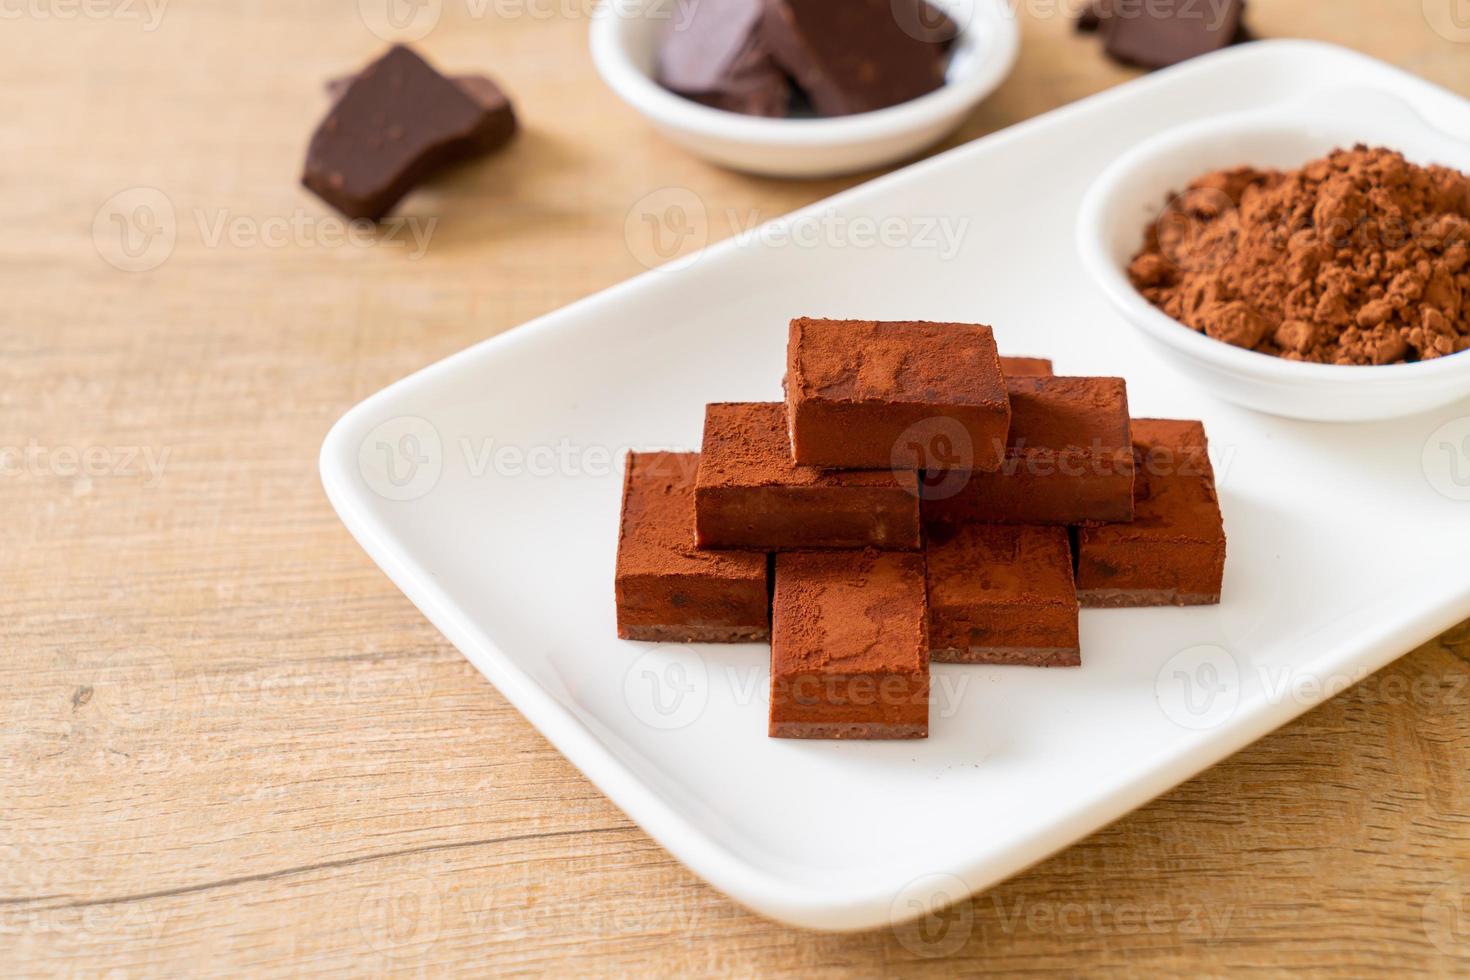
<point>1068,460</point>
<point>849,646</point>
<point>1026,367</point>
<point>751,495</point>
<point>1173,551</point>
<point>866,394</point>
<point>1001,594</point>
<point>667,589</point>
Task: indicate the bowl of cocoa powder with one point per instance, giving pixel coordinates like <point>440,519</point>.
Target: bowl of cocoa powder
<point>1311,261</point>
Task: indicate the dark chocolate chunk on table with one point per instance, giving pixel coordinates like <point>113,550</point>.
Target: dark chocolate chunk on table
<point>1153,35</point>
<point>666,588</point>
<point>1001,594</point>
<point>397,123</point>
<point>849,646</point>
<point>751,495</point>
<point>1173,551</point>
<point>865,394</point>
<point>481,88</point>
<point>1068,460</point>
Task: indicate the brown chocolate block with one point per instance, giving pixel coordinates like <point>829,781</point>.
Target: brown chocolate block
<point>1173,551</point>
<point>481,88</point>
<point>1026,367</point>
<point>667,589</point>
<point>849,646</point>
<point>397,123</point>
<point>1094,15</point>
<point>1001,594</point>
<point>751,495</point>
<point>712,51</point>
<point>1150,35</point>
<point>1068,460</point>
<point>866,394</point>
<point>859,55</point>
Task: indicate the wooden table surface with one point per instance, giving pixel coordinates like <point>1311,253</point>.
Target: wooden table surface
<point>230,744</point>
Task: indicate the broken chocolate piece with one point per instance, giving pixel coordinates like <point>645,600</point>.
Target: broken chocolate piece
<point>751,495</point>
<point>1001,594</point>
<point>1148,35</point>
<point>667,589</point>
<point>864,394</point>
<point>712,52</point>
<point>481,88</point>
<point>397,123</point>
<point>849,646</point>
<point>859,55</point>
<point>1173,551</point>
<point>1068,460</point>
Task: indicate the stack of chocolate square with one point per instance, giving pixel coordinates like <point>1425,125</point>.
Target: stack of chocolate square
<point>917,497</point>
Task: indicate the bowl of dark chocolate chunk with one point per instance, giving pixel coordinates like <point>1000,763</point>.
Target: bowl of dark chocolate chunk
<point>804,88</point>
<point>1310,260</point>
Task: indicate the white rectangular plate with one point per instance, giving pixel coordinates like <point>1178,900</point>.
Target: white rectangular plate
<point>487,487</point>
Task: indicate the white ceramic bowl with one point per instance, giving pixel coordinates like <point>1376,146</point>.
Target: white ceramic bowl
<point>624,42</point>
<point>1131,192</point>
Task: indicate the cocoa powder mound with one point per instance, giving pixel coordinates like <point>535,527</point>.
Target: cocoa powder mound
<point>1358,258</point>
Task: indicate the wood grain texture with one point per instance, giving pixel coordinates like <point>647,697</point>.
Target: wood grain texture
<point>230,744</point>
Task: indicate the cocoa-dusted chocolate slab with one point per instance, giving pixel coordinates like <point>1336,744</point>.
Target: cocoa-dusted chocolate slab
<point>397,123</point>
<point>859,55</point>
<point>751,495</point>
<point>1026,367</point>
<point>1001,594</point>
<point>904,394</point>
<point>713,52</point>
<point>1173,551</point>
<point>849,646</point>
<point>667,589</point>
<point>1068,460</point>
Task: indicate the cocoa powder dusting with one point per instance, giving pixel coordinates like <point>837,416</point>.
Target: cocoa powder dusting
<point>1358,258</point>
